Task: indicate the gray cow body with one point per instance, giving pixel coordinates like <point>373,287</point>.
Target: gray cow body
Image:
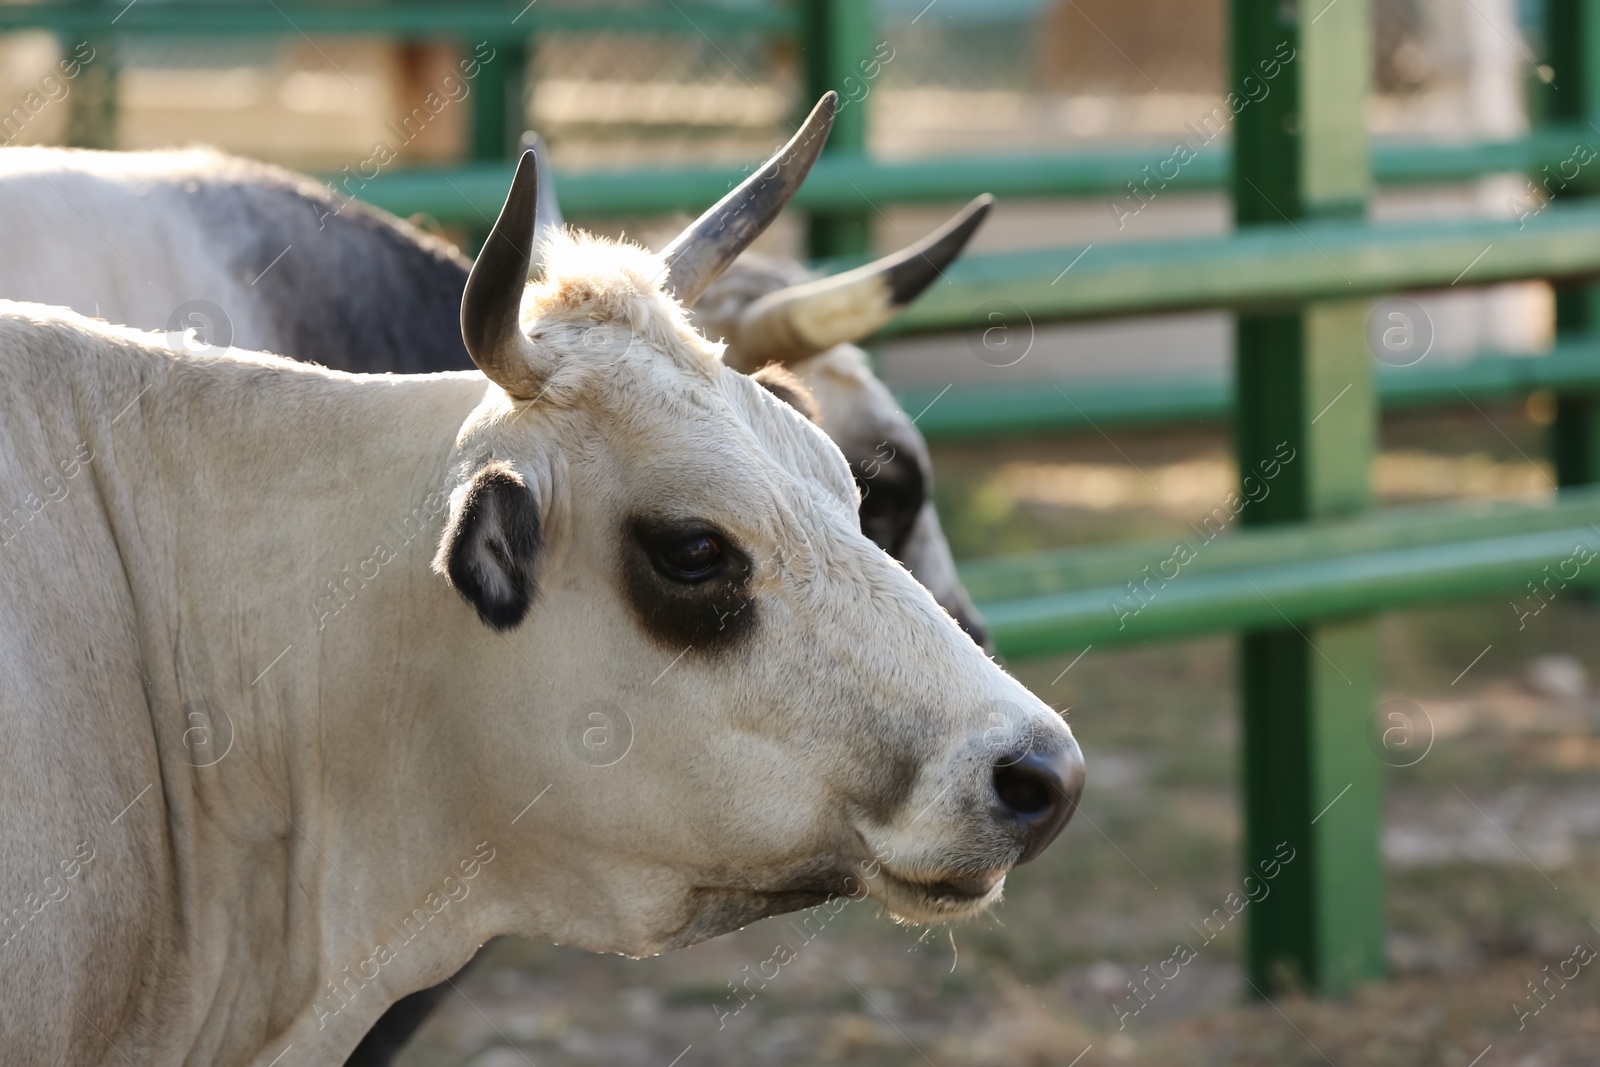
<point>247,254</point>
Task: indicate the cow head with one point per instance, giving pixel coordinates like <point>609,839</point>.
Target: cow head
<point>658,547</point>
<point>812,327</point>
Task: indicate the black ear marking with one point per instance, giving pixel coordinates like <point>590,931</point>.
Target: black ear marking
<point>490,549</point>
<point>781,382</point>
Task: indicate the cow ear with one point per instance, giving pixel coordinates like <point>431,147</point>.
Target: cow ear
<point>782,383</point>
<point>490,547</point>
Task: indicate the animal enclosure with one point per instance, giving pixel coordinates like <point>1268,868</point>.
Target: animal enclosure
<point>1258,176</point>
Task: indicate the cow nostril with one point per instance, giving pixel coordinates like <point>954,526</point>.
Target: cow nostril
<point>1038,792</point>
<point>1021,788</point>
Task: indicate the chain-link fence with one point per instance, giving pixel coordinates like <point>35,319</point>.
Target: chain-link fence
<point>604,98</point>
<point>951,75</point>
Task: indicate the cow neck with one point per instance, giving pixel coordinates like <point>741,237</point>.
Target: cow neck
<point>285,528</point>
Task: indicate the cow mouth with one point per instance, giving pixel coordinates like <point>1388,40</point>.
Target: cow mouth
<point>939,899</point>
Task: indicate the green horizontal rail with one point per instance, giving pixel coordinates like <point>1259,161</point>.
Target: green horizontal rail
<point>511,19</point>
<point>1263,268</point>
<point>1071,569</point>
<point>837,182</point>
<point>1014,409</point>
<point>1056,602</point>
<point>847,181</point>
<point>1410,162</point>
<point>1023,409</point>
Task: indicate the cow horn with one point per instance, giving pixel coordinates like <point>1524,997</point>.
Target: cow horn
<point>700,253</point>
<point>491,307</point>
<point>802,320</point>
<point>547,214</point>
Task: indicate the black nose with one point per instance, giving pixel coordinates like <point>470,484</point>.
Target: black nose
<point>1038,792</point>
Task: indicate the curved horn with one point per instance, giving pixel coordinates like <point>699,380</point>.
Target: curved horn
<point>547,213</point>
<point>491,307</point>
<point>802,320</point>
<point>704,250</point>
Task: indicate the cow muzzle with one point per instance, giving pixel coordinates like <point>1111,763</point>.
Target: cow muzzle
<point>1007,803</point>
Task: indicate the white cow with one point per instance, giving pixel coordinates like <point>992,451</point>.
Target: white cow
<point>262,258</point>
<point>268,773</point>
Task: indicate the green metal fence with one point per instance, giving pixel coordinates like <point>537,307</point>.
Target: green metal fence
<point>1300,583</point>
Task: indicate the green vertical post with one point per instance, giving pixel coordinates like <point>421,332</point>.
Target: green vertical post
<point>499,112</point>
<point>839,39</point>
<point>1305,434</point>
<point>1572,45</point>
<point>499,108</point>
<point>92,99</point>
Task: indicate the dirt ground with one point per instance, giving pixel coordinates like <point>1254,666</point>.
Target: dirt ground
<point>1492,842</point>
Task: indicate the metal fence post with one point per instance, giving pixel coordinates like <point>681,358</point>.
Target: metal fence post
<point>92,105</point>
<point>1572,96</point>
<point>498,111</point>
<point>1305,433</point>
<point>838,38</point>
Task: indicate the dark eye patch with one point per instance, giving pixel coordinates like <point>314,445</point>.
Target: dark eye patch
<point>893,491</point>
<point>687,582</point>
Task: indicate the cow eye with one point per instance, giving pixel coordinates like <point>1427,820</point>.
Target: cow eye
<point>690,559</point>
<point>688,582</point>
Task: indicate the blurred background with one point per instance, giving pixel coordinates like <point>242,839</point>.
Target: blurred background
<point>1491,836</point>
